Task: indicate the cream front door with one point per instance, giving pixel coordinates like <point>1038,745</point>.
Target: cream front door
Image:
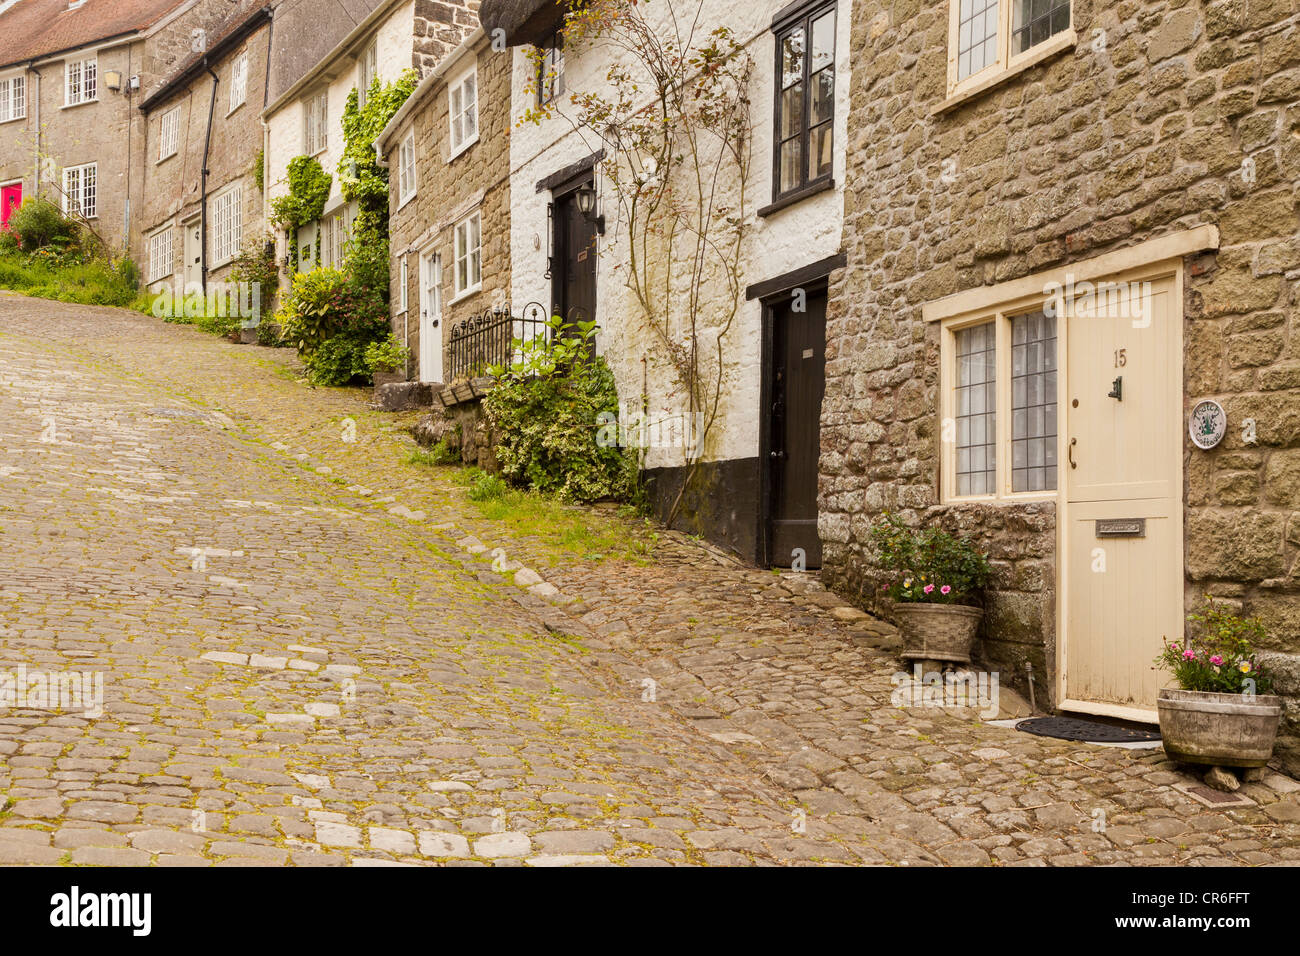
<point>1123,523</point>
<point>192,246</point>
<point>431,331</point>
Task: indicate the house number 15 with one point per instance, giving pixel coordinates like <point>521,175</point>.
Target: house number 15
<point>1121,358</point>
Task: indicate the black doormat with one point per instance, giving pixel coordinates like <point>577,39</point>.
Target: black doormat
<point>1072,728</point>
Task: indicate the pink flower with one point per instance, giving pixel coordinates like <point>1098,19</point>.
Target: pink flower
<point>929,588</point>
<point>945,590</point>
<point>1189,655</point>
<point>1216,660</point>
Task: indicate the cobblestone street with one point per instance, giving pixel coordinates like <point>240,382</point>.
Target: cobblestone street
<point>311,656</point>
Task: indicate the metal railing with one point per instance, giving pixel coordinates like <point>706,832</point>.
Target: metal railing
<point>488,339</point>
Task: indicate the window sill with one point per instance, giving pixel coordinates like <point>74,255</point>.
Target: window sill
<point>798,196</point>
<point>463,147</point>
<point>467,294</point>
<point>403,203</point>
<point>14,119</point>
<point>236,109</point>
<point>1015,498</point>
<point>164,159</point>
<point>73,106</point>
<point>1053,47</point>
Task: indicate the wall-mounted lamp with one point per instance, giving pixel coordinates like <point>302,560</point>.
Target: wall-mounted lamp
<point>586,198</point>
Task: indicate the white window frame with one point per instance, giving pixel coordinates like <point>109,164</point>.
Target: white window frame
<point>227,225</point>
<point>407,181</point>
<point>471,256</point>
<point>169,134</point>
<point>86,87</point>
<point>13,97</point>
<point>1004,65</point>
<point>316,113</point>
<point>461,111</point>
<point>238,82</point>
<point>367,71</point>
<point>1002,316</point>
<point>162,254</point>
<point>81,191</point>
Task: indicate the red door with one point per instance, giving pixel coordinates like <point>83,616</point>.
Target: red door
<point>11,197</point>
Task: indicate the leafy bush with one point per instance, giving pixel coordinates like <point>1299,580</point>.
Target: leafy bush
<point>546,409</point>
<point>1222,660</point>
<point>340,360</point>
<point>929,565</point>
<point>387,355</point>
<point>440,454</point>
<point>38,223</point>
<point>323,304</point>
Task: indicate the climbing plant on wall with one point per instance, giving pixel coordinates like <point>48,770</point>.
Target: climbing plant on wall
<point>365,182</point>
<point>309,190</point>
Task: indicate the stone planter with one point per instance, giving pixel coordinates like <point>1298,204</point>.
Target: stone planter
<point>248,336</point>
<point>388,378</point>
<point>1222,730</point>
<point>937,632</point>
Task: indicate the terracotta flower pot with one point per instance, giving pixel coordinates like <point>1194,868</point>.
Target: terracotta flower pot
<point>940,632</point>
<point>1222,730</point>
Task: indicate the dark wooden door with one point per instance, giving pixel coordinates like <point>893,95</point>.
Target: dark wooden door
<point>798,382</point>
<point>574,278</point>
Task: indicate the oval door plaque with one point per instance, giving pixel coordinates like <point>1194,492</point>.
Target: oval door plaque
<point>1208,424</point>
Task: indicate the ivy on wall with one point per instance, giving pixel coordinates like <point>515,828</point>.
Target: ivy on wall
<point>309,190</point>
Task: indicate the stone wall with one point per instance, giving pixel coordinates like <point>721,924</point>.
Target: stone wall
<point>448,189</point>
<point>1162,116</point>
<point>440,27</point>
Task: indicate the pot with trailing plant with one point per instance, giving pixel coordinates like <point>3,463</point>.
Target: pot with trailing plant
<point>936,581</point>
<point>386,360</point>
<point>1221,713</point>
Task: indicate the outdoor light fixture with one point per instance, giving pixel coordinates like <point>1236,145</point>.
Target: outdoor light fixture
<point>586,197</point>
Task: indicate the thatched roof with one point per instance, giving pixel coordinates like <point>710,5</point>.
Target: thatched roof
<point>522,21</point>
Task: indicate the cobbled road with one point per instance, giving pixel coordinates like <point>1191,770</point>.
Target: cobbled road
<point>308,656</point>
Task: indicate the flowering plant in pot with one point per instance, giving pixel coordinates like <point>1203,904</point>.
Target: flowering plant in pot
<point>937,580</point>
<point>1221,713</point>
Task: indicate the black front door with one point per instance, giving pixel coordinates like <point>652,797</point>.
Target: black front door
<point>797,377</point>
<point>574,270</point>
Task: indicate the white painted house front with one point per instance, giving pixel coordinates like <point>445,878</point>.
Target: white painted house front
<point>768,512</point>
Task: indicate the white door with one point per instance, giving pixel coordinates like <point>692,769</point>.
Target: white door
<point>193,248</point>
<point>1123,524</point>
<point>430,317</point>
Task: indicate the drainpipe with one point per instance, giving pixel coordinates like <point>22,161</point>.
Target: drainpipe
<point>36,179</point>
<point>203,179</point>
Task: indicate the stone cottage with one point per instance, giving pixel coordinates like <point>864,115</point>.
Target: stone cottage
<point>759,318</point>
<point>71,77</point>
<point>305,119</point>
<point>448,152</point>
<point>1067,327</point>
<point>203,148</point>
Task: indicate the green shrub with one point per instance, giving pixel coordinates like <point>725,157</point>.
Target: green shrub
<point>309,190</point>
<point>39,222</point>
<point>323,304</point>
<point>546,408</point>
<point>387,355</point>
<point>339,360</point>
<point>929,565</point>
